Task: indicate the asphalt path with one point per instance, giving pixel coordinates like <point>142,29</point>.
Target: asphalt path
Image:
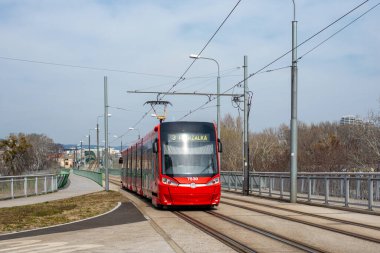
<point>126,213</point>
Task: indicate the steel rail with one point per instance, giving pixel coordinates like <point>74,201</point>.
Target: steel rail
<point>275,236</point>
<point>239,247</point>
<point>306,214</point>
<point>355,235</point>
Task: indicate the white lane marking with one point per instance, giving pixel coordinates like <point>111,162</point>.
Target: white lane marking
<point>35,246</point>
<point>70,248</point>
<point>39,246</point>
<point>18,242</point>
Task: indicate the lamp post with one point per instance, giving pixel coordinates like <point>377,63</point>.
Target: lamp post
<point>81,152</point>
<point>136,129</point>
<point>194,56</point>
<point>293,122</point>
<point>89,144</point>
<point>106,133</point>
<point>97,138</point>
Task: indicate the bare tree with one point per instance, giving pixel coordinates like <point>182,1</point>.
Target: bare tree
<point>27,153</point>
<point>322,147</point>
<point>267,151</point>
<point>14,150</point>
<point>231,135</point>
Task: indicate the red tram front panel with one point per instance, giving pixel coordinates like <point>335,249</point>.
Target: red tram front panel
<point>203,191</point>
<point>177,164</point>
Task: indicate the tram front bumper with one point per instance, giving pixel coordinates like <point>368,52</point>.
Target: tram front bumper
<point>184,196</point>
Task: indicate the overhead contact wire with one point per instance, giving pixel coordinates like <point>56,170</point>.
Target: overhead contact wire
<point>286,53</point>
<point>182,77</point>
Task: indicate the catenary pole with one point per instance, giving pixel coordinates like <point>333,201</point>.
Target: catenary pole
<point>89,147</point>
<point>97,144</point>
<point>106,133</point>
<point>293,122</point>
<point>245,134</point>
<point>81,153</point>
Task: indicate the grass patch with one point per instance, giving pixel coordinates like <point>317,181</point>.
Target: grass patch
<point>19,218</point>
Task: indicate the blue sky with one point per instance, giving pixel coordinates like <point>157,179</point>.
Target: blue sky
<point>156,37</point>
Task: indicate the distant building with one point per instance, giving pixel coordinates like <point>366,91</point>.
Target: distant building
<point>351,120</point>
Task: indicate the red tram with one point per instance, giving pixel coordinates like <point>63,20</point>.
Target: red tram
<point>176,164</point>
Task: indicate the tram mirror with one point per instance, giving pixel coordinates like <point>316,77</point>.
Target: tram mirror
<point>155,146</point>
<point>220,146</point>
<point>121,160</point>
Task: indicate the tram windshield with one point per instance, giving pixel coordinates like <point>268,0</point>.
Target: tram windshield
<point>186,154</point>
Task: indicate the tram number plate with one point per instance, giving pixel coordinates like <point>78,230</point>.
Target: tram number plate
<point>192,178</point>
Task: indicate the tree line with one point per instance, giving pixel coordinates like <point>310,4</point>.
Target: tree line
<point>322,147</point>
<point>28,153</point>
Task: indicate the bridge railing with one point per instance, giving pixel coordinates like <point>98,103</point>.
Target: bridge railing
<point>93,175</point>
<point>97,176</point>
<point>28,185</point>
<point>348,189</point>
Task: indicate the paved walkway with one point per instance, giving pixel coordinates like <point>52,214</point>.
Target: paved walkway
<point>77,186</point>
<point>122,230</point>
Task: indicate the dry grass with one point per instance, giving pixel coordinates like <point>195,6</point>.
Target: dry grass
<point>57,212</point>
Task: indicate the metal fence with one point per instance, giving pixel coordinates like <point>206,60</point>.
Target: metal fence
<point>348,189</point>
<point>93,175</point>
<point>97,176</point>
<point>114,172</point>
<point>24,186</point>
<point>62,179</point>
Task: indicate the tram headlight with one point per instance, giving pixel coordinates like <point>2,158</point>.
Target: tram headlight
<point>169,181</point>
<point>213,181</point>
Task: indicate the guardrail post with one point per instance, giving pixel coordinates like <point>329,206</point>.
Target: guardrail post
<point>314,185</point>
<point>281,187</point>
<point>52,183</point>
<point>12,191</point>
<point>347,191</point>
<point>45,185</point>
<point>250,183</point>
<point>370,193</point>
<point>25,187</point>
<point>36,186</point>
<point>236,182</point>
<point>259,185</point>
<point>229,181</point>
<point>309,190</point>
<point>56,182</point>
<point>327,184</point>
<point>357,188</point>
<point>341,187</point>
<point>302,184</point>
<point>270,186</point>
<point>376,188</point>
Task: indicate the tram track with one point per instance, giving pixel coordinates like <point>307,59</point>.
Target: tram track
<point>313,224</point>
<point>234,244</point>
<point>234,232</point>
<point>304,213</point>
<point>239,246</point>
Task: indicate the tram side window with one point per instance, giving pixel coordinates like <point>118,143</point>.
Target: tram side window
<point>133,161</point>
<point>156,164</point>
<point>145,166</point>
<point>126,164</point>
<point>130,162</point>
<point>145,158</point>
<point>139,158</point>
<point>150,165</point>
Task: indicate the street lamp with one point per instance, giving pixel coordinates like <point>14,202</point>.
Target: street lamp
<point>97,137</point>
<point>81,152</point>
<point>195,56</point>
<point>136,129</point>
<point>89,144</point>
<point>293,121</point>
